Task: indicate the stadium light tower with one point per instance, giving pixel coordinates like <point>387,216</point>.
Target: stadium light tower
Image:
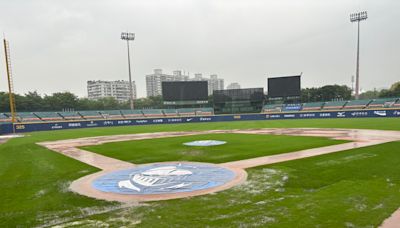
<point>357,17</point>
<point>129,36</point>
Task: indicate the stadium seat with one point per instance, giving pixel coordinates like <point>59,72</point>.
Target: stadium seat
<point>170,112</point>
<point>272,108</point>
<point>90,114</point>
<point>70,115</point>
<point>397,104</point>
<point>313,106</point>
<point>382,103</point>
<point>111,114</point>
<point>4,118</point>
<point>49,116</point>
<point>27,117</point>
<point>153,112</point>
<point>132,113</point>
<point>204,111</point>
<point>357,104</point>
<point>334,105</point>
<point>186,112</point>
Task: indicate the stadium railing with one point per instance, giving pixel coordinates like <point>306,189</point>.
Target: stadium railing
<point>313,106</point>
<point>49,116</point>
<point>170,112</point>
<point>204,111</point>
<point>152,112</point>
<point>357,104</point>
<point>272,108</point>
<point>70,115</point>
<point>186,112</point>
<point>334,105</point>
<point>27,117</point>
<point>132,113</point>
<point>382,103</point>
<point>90,114</point>
<point>111,114</point>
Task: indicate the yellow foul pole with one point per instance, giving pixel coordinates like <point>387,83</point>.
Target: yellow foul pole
<point>10,82</point>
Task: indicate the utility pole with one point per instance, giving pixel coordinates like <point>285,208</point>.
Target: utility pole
<point>358,17</point>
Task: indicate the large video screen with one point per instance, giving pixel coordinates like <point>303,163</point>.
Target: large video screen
<point>252,95</point>
<point>185,91</point>
<point>284,86</point>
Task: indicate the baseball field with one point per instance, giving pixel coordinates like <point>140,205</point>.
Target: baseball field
<point>352,188</point>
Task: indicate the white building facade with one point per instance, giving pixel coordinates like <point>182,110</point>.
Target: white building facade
<point>233,85</point>
<point>153,81</point>
<point>117,89</point>
<point>214,83</point>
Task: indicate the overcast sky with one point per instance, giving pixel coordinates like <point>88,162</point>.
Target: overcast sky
<point>57,45</point>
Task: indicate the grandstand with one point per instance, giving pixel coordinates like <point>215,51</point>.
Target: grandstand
<point>314,106</point>
<point>382,103</point>
<point>334,105</point>
<point>357,104</point>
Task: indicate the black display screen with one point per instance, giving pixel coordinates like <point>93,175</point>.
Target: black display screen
<point>185,90</point>
<point>284,86</point>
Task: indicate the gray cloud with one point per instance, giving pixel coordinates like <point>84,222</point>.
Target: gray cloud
<point>59,45</point>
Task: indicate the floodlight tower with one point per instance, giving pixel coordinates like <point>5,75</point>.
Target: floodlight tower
<point>357,17</point>
<point>129,36</point>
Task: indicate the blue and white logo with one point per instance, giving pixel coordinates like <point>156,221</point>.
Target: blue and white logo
<point>164,178</point>
<point>380,113</point>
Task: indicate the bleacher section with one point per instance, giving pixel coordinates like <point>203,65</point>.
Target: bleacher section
<point>334,105</point>
<point>70,115</point>
<point>170,112</point>
<point>182,112</point>
<point>111,114</point>
<point>49,116</point>
<point>27,117</point>
<point>397,104</point>
<point>153,112</point>
<point>132,113</point>
<point>4,118</point>
<point>90,114</point>
<point>187,112</point>
<point>382,103</point>
<point>314,106</point>
<point>357,104</point>
<point>272,108</point>
<point>204,111</point>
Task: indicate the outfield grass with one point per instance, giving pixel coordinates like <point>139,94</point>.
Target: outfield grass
<point>238,147</point>
<point>33,182</point>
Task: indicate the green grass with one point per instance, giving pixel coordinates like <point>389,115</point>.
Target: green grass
<point>238,147</point>
<point>33,182</point>
<point>355,188</point>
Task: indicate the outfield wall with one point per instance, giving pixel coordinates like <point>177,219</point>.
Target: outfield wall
<point>48,126</point>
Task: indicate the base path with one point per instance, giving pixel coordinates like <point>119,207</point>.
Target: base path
<point>171,170</point>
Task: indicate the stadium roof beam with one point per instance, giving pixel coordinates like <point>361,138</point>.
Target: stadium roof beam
<point>357,17</point>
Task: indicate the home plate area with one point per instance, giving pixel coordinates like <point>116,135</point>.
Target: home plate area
<point>164,178</point>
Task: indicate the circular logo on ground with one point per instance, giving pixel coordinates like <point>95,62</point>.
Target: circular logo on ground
<point>204,143</point>
<point>164,178</point>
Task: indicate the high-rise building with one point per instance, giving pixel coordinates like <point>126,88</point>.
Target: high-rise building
<point>233,85</point>
<point>214,83</point>
<point>117,89</point>
<point>153,81</point>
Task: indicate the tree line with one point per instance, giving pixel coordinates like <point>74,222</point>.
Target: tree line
<point>32,101</point>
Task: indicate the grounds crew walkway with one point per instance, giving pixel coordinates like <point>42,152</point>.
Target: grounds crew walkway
<point>359,138</point>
